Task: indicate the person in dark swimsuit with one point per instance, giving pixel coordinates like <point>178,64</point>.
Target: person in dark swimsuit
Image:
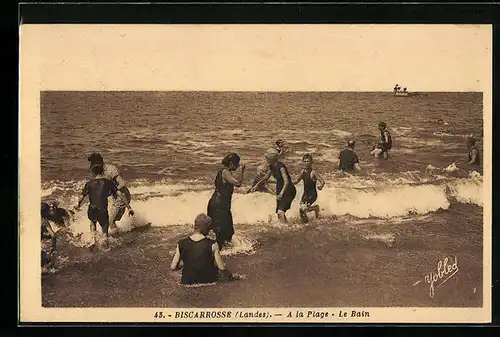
<point>219,205</point>
<point>348,159</point>
<point>474,157</point>
<point>48,239</point>
<point>285,189</point>
<point>385,138</point>
<point>310,177</point>
<point>199,256</point>
<point>111,172</point>
<point>98,190</point>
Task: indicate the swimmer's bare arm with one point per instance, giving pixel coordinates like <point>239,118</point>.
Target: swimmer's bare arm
<point>176,260</point>
<point>235,181</point>
<point>115,192</point>
<point>286,182</point>
<point>220,263</point>
<point>120,182</point>
<point>50,230</point>
<point>319,179</point>
<point>218,258</point>
<point>122,196</point>
<point>386,137</point>
<point>85,193</point>
<point>356,163</point>
<point>473,156</point>
<point>264,179</point>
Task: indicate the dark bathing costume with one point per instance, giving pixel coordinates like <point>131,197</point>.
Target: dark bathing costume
<point>478,160</point>
<point>288,196</point>
<point>199,261</point>
<point>310,194</point>
<point>99,190</point>
<point>219,209</point>
<point>347,159</point>
<point>386,145</point>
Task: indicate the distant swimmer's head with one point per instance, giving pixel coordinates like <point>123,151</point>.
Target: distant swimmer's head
<point>271,156</point>
<point>45,210</point>
<point>350,144</point>
<point>95,158</point>
<point>471,141</point>
<point>382,126</point>
<point>280,143</point>
<point>307,159</point>
<point>203,224</point>
<point>97,169</point>
<point>440,121</point>
<point>231,161</point>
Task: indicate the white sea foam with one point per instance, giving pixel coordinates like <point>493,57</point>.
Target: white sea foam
<point>451,168</point>
<point>258,209</point>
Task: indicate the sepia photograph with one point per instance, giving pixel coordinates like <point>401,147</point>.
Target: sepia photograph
<point>265,173</point>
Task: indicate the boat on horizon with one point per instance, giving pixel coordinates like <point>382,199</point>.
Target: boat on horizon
<point>402,93</point>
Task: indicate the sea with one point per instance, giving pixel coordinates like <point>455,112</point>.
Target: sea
<point>168,146</point>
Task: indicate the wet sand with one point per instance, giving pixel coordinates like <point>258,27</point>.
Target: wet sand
<point>329,263</point>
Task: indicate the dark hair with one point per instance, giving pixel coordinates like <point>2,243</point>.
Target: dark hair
<point>471,140</point>
<point>351,143</point>
<point>279,142</point>
<point>382,124</point>
<point>97,169</point>
<point>307,156</point>
<point>95,158</point>
<point>231,158</point>
<point>203,223</point>
<point>45,210</point>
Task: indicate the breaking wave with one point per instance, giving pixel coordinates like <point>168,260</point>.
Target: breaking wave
<point>164,204</point>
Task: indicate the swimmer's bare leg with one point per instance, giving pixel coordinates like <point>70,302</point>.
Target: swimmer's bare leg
<point>315,208</point>
<point>303,209</point>
<point>386,155</point>
<point>93,231</point>
<point>105,231</point>
<point>303,217</point>
<point>282,217</point>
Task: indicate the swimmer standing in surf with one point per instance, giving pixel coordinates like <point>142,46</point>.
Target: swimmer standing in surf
<point>310,177</point>
<point>385,138</point>
<point>112,173</point>
<point>474,158</point>
<point>219,205</point>
<point>98,189</point>
<point>199,256</point>
<point>285,189</point>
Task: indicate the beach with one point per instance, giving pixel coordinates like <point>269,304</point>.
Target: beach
<point>381,233</point>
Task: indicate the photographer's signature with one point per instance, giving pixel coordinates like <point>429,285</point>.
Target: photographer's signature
<point>446,269</point>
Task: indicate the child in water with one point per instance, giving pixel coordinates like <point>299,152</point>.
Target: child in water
<point>310,178</point>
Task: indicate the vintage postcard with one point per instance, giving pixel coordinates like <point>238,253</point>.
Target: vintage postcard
<point>255,173</point>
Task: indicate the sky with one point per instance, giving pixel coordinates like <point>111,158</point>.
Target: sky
<point>258,57</point>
